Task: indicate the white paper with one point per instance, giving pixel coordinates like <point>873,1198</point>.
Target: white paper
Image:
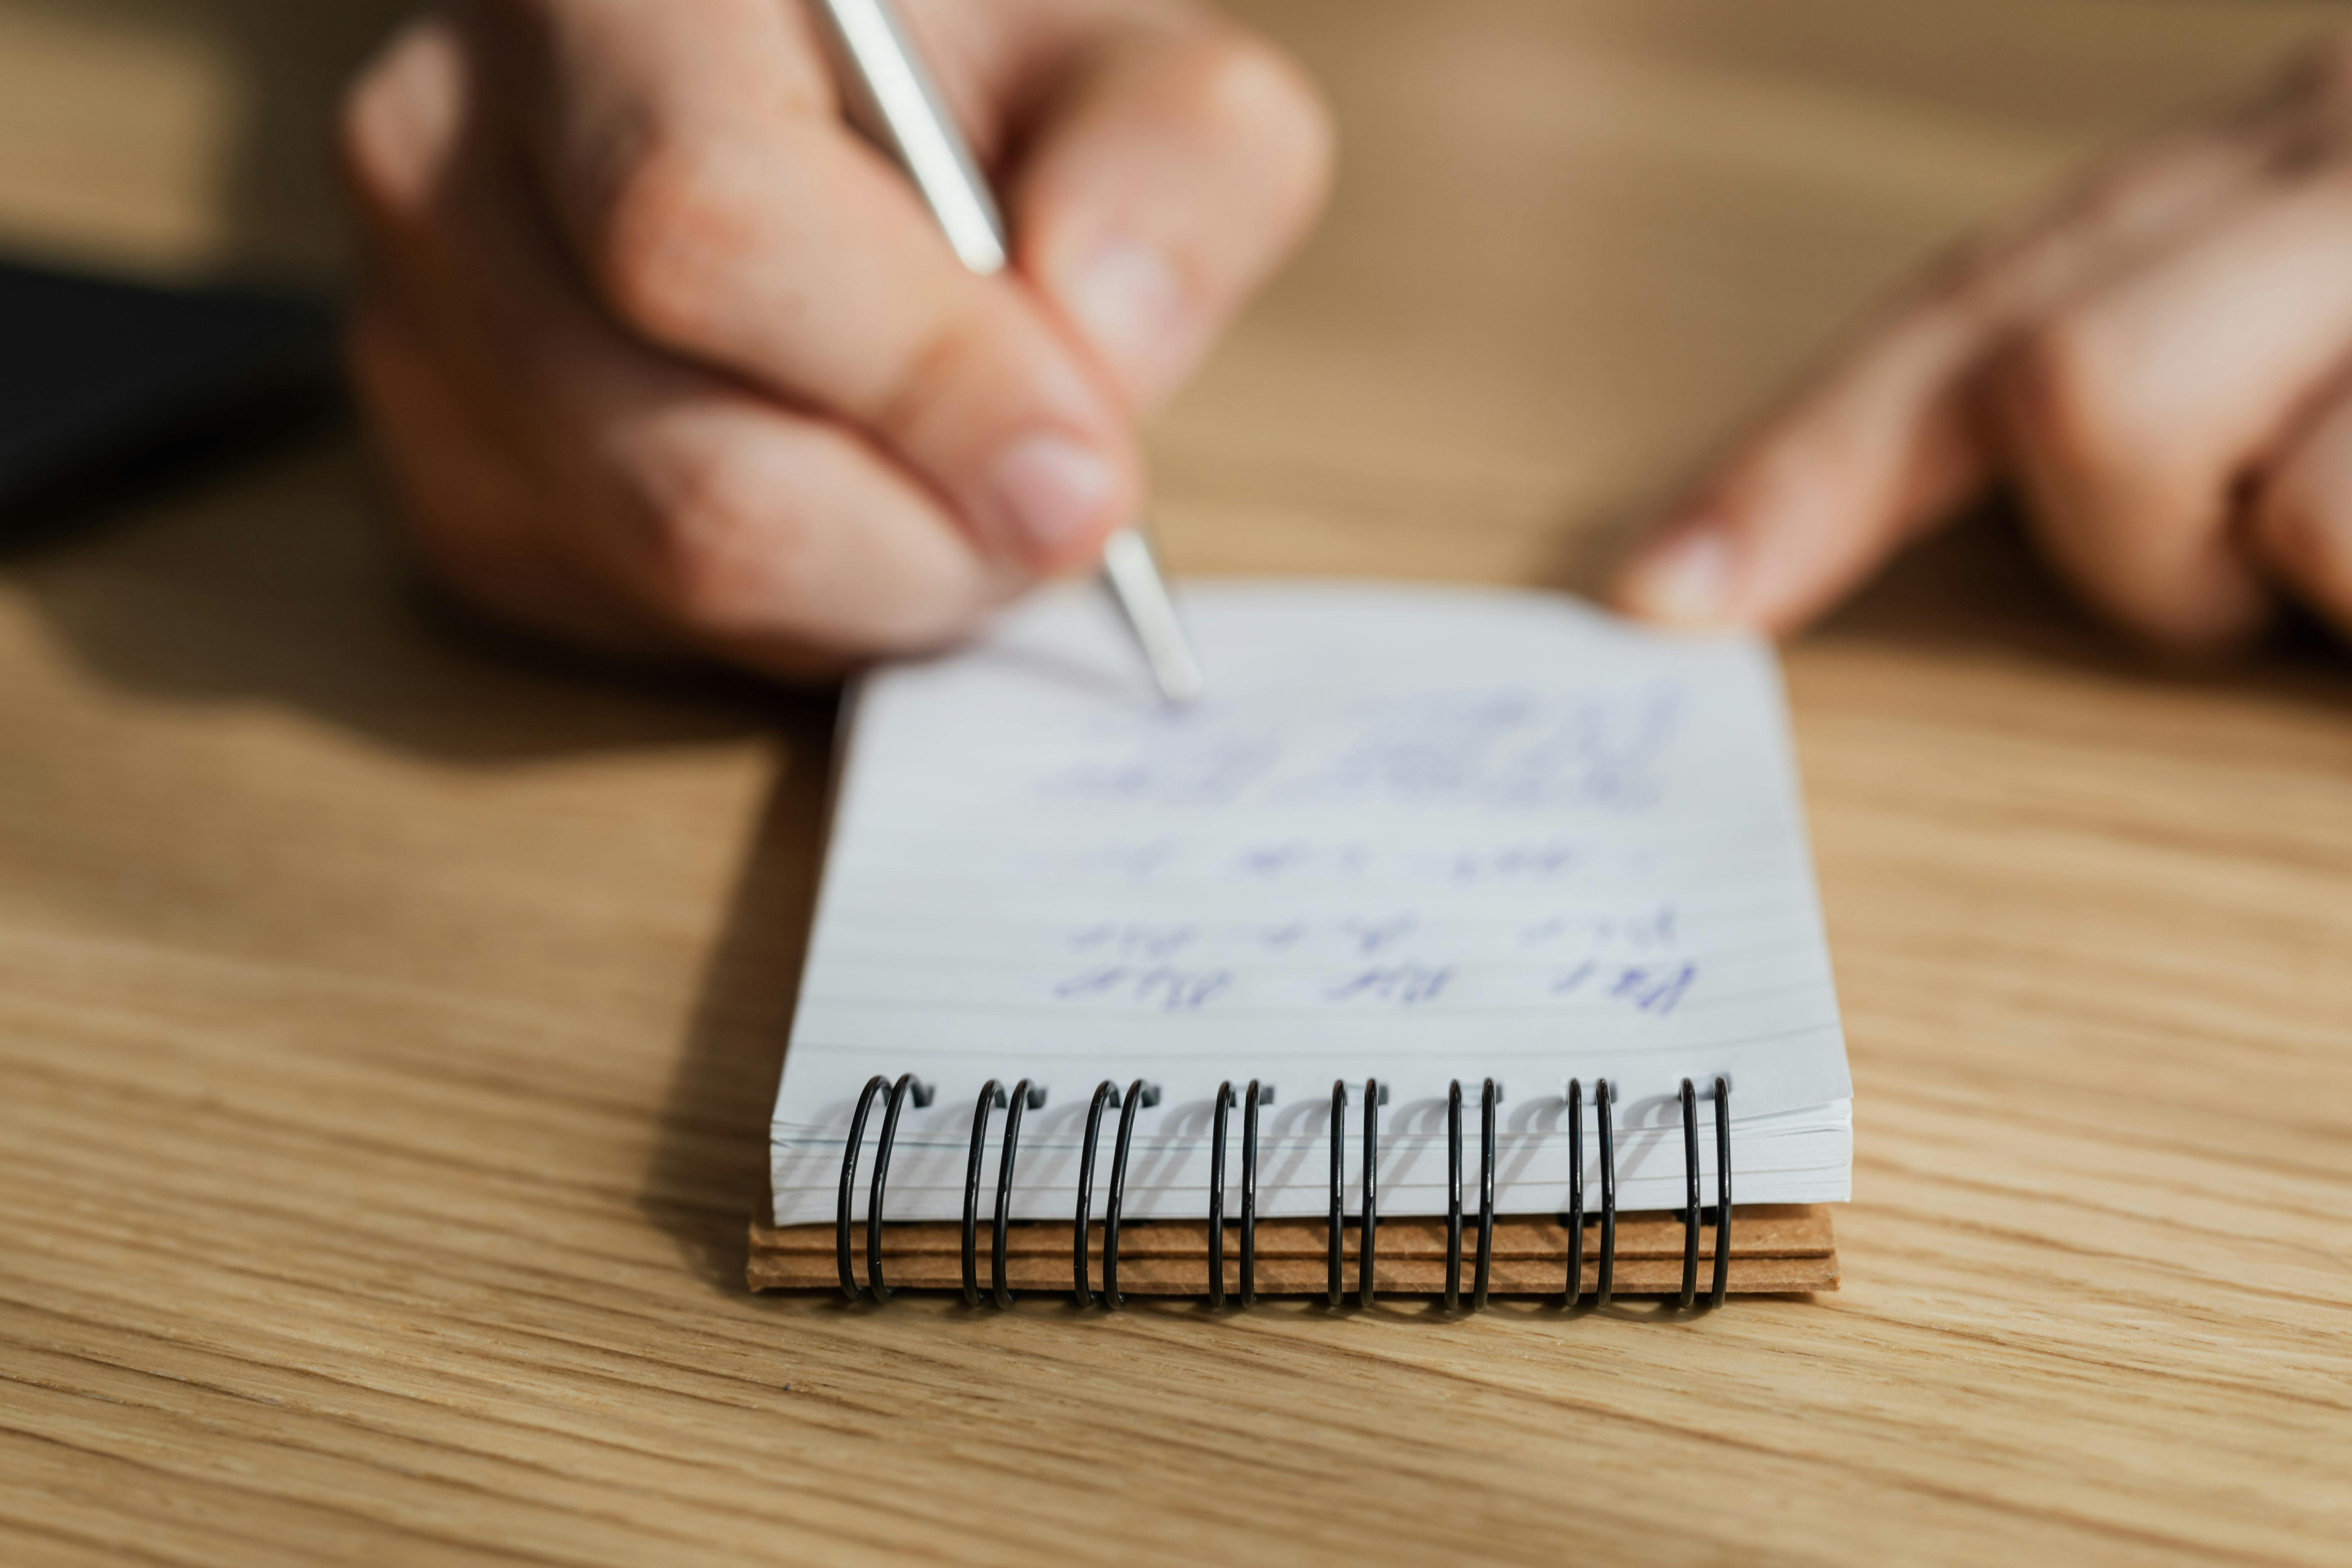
<point>1413,835</point>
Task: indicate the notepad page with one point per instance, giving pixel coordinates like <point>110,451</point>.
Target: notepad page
<point>1411,833</point>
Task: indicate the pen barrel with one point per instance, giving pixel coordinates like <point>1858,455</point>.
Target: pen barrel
<point>902,107</point>
<point>913,122</point>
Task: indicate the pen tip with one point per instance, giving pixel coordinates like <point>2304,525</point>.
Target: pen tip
<point>1179,686</point>
<point>1133,573</point>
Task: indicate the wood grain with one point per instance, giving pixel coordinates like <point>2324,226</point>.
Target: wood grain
<point>387,1016</point>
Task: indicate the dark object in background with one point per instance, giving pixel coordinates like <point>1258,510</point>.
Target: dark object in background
<point>108,388</point>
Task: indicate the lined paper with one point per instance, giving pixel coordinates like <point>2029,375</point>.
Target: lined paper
<point>1412,834</point>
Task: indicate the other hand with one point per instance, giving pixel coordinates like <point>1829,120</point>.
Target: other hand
<point>2161,361</point>
<point>662,356</point>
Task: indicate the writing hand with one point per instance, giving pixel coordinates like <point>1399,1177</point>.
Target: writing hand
<point>661,356</point>
<point>2161,361</point>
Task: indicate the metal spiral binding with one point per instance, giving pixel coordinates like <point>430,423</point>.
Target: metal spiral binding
<point>1021,1101</point>
<point>908,1086</point>
<point>1488,1099</point>
<point>1376,1094</point>
<point>1138,1095</point>
<point>992,1094</point>
<point>1082,1293</point>
<point>1575,1193</point>
<point>1602,1095</point>
<point>1339,1175</point>
<point>1722,1192</point>
<point>1365,1257</point>
<point>1690,1204</point>
<point>1453,1198</point>
<point>873,1086</point>
<point>1249,1190</point>
<point>1032,1097</point>
<point>1217,1199</point>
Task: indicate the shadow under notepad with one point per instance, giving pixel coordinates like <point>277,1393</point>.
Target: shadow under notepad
<point>708,1173</point>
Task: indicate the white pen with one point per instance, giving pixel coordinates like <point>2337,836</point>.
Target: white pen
<point>937,158</point>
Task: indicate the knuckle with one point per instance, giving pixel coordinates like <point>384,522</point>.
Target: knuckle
<point>2063,388</point>
<point>948,356</point>
<point>2322,72</point>
<point>361,150</point>
<point>1971,283</point>
<point>722,558</point>
<point>398,124</point>
<point>2110,201</point>
<point>661,230</point>
<point>2300,515</point>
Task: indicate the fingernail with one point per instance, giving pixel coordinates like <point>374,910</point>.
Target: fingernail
<point>1131,304</point>
<point>1053,490</point>
<point>1686,581</point>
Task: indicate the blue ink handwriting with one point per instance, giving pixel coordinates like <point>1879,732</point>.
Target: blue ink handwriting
<point>1134,939</point>
<point>1370,936</point>
<point>1169,990</point>
<point>1401,985</point>
<point>1656,990</point>
<point>1645,930</point>
<point>1268,862</point>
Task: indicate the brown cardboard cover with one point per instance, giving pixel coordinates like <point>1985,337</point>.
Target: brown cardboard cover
<point>1775,1249</point>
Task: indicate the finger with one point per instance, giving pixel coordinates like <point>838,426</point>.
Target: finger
<point>1175,165</point>
<point>719,208</point>
<point>741,527</point>
<point>2300,525</point>
<point>2137,413</point>
<point>1885,444</point>
<point>472,506</point>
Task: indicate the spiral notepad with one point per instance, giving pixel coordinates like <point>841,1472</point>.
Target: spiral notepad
<point>1458,941</point>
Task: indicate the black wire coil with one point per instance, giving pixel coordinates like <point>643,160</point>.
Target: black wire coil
<point>1489,1097</point>
<point>1140,1095</point>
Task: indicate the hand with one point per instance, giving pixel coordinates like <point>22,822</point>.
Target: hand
<point>661,355</point>
<point>2161,361</point>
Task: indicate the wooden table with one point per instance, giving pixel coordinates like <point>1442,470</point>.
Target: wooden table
<point>388,1018</point>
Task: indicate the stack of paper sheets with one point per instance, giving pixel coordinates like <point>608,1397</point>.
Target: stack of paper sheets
<point>1414,834</point>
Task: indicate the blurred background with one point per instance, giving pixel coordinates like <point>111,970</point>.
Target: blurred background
<point>176,137</point>
<point>1574,241</point>
<point>1717,184</point>
<point>172,136</point>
